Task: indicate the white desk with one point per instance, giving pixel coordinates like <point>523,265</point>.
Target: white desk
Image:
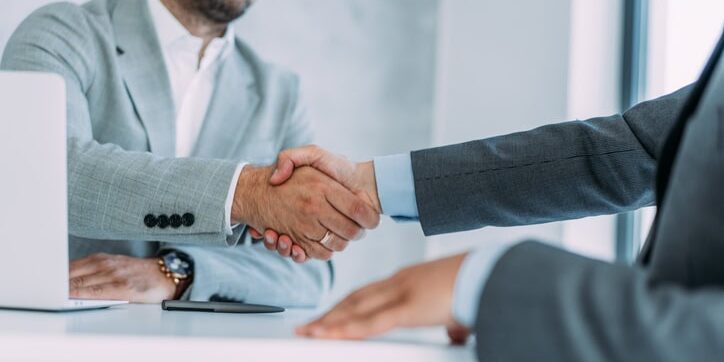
<point>146,333</point>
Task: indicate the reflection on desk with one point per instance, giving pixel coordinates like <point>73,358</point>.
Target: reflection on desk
<point>146,333</point>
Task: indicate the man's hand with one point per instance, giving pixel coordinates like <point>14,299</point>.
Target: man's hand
<point>357,177</point>
<point>119,277</point>
<point>305,207</point>
<point>417,296</point>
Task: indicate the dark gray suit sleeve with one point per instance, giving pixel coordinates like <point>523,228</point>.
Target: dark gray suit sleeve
<point>545,304</point>
<point>562,171</point>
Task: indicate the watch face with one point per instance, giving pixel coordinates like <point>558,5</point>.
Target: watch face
<point>178,267</point>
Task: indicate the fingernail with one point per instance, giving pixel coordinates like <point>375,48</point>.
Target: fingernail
<point>268,240</point>
<point>295,253</point>
<point>283,246</point>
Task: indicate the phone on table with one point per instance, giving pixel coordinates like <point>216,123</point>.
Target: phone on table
<point>218,307</point>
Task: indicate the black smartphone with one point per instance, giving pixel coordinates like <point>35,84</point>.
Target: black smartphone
<point>218,307</point>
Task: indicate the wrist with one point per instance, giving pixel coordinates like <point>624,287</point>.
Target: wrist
<point>365,173</point>
<point>178,270</point>
<point>249,188</point>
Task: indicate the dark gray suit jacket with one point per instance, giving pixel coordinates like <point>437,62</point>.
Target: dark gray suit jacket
<point>544,304</point>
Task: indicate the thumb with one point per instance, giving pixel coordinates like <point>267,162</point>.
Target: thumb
<point>282,172</point>
<point>290,159</point>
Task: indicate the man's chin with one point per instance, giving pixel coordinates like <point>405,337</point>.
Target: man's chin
<point>222,11</point>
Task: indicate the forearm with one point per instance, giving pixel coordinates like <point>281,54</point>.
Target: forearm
<point>111,191</point>
<point>563,171</point>
<point>556,172</point>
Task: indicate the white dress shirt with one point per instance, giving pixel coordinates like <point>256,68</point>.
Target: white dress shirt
<point>192,79</point>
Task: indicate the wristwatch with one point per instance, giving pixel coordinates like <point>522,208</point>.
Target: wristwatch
<point>179,267</point>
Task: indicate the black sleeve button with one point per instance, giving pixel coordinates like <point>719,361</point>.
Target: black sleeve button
<point>150,220</point>
<point>188,219</point>
<point>175,221</point>
<point>163,221</point>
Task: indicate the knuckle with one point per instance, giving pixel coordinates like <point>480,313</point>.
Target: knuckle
<point>97,256</point>
<point>307,202</point>
<point>351,232</point>
<point>77,282</point>
<point>358,209</point>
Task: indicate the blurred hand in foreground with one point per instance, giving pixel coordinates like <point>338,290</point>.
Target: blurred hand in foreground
<point>417,296</point>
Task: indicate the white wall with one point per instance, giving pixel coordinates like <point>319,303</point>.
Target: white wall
<point>502,67</point>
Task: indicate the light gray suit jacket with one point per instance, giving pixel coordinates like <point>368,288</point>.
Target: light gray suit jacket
<point>121,134</point>
<point>544,304</point>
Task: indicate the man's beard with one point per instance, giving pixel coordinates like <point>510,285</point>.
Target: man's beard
<point>221,11</point>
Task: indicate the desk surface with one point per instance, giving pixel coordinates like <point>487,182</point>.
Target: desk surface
<point>146,333</point>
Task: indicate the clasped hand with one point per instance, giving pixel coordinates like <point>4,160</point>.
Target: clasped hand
<point>333,196</point>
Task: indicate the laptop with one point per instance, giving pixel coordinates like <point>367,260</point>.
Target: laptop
<point>33,195</point>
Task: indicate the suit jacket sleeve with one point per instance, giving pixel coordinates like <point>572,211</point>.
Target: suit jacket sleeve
<point>252,274</point>
<point>545,304</point>
<point>563,171</point>
<point>111,190</point>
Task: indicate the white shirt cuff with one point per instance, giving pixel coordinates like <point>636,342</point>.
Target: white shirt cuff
<point>470,282</point>
<point>230,199</point>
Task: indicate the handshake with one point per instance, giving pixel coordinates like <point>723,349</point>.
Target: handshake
<point>309,205</point>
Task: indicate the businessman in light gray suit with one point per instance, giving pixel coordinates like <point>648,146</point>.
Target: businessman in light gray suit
<point>535,302</point>
<point>167,111</point>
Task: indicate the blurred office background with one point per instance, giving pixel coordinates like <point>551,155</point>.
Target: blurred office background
<point>389,76</point>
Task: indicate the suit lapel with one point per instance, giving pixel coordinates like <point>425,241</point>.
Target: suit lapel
<point>232,106</point>
<point>671,146</point>
<point>144,73</point>
<point>673,141</point>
